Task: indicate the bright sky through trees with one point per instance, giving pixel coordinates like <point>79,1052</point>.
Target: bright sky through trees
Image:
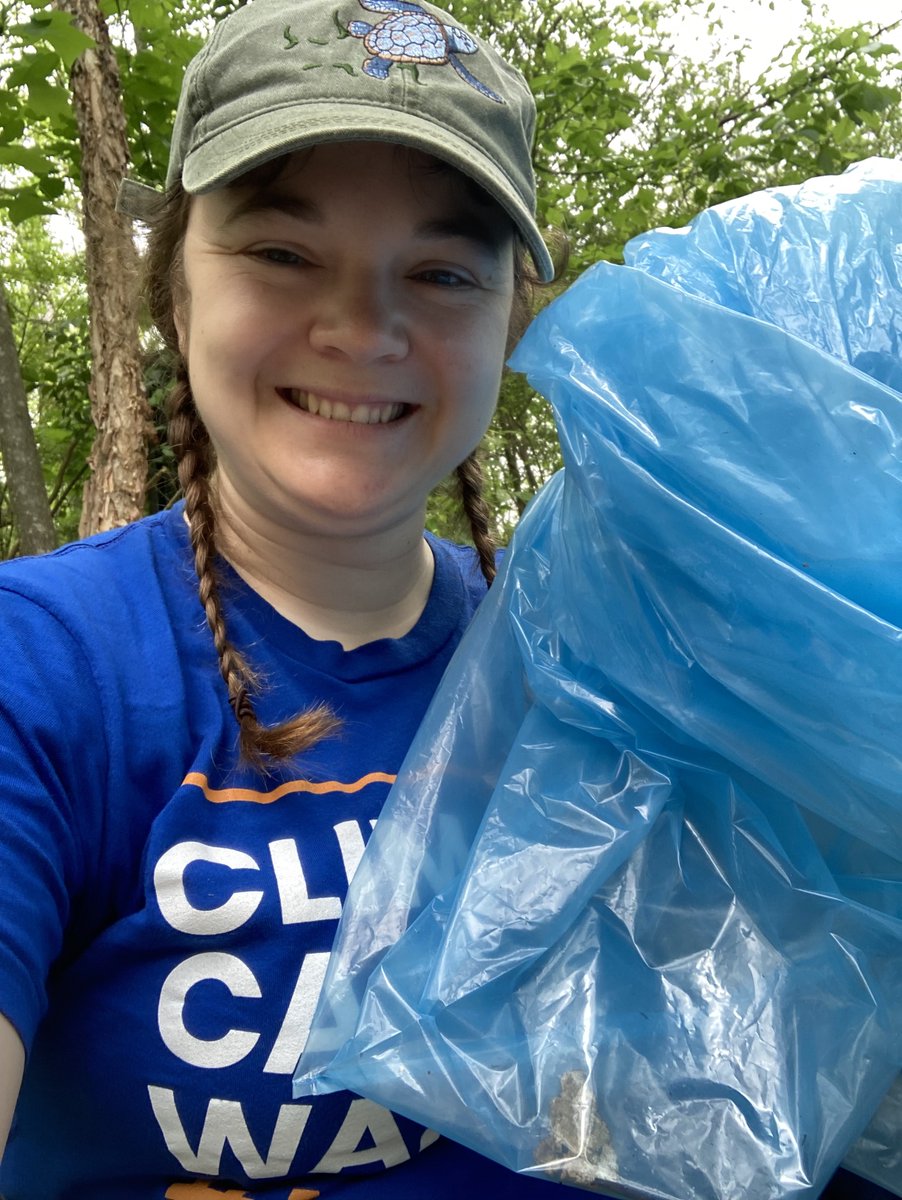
<point>769,29</point>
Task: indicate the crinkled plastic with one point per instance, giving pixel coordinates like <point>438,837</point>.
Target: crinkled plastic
<point>632,917</point>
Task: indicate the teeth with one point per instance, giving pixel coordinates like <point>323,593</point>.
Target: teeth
<point>337,410</point>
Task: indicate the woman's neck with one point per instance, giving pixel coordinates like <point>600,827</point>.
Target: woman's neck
<point>351,590</point>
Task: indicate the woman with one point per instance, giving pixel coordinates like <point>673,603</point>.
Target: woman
<point>202,713</point>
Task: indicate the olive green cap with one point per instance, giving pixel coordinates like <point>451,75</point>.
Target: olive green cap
<point>281,75</point>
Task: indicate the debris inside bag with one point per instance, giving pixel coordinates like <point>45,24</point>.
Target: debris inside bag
<point>579,1149</point>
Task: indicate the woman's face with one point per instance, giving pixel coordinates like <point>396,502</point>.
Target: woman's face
<point>345,330</point>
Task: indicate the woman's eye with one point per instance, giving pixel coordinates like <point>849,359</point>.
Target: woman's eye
<point>445,277</point>
<point>279,255</point>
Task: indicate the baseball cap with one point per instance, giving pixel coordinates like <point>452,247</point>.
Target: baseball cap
<point>277,76</point>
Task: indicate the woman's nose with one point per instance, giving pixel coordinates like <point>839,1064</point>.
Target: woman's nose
<point>359,318</point>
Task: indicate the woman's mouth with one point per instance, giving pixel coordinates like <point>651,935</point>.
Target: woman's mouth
<point>338,410</point>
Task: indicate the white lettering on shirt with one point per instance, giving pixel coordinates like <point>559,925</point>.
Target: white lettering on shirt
<point>177,909</point>
<point>368,1133</point>
<point>224,1051</point>
<point>351,845</point>
<point>224,1123</point>
<point>293,895</point>
<point>364,1117</point>
<point>298,1016</point>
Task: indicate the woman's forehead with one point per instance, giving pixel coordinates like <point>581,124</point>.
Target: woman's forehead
<point>429,179</point>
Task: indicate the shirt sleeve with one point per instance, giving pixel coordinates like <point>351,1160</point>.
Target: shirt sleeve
<point>52,753</point>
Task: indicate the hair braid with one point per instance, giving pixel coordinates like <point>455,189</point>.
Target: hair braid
<point>258,743</point>
<point>470,480</point>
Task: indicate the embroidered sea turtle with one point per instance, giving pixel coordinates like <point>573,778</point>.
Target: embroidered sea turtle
<point>412,35</point>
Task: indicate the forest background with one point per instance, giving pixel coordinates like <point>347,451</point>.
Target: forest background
<point>633,133</point>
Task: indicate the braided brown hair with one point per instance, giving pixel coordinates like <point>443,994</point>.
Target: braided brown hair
<point>261,745</point>
<point>469,480</point>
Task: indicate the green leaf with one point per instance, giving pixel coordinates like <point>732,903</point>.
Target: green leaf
<point>867,98</point>
<point>33,66</point>
<point>23,205</point>
<point>56,29</point>
<point>574,57</point>
<point>48,100</point>
<point>12,126</point>
<point>148,14</point>
<point>29,157</point>
<point>52,187</point>
<point>51,436</point>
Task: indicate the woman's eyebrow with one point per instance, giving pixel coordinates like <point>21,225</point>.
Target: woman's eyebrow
<point>288,205</point>
<point>468,226</point>
<point>464,225</point>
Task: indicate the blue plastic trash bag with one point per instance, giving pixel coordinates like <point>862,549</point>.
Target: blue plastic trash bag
<point>632,916</point>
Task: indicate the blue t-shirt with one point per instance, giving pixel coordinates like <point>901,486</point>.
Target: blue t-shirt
<point>166,915</point>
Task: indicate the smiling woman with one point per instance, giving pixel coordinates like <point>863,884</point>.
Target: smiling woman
<point>402,331</point>
<point>201,714</point>
<point>341,377</point>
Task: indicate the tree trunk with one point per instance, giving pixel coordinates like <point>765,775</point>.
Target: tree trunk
<point>114,494</point>
<point>19,451</point>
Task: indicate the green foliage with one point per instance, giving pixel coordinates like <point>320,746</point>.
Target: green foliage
<point>37,128</point>
<point>46,295</point>
<point>155,42</point>
<point>631,134</point>
<point>822,105</point>
<point>38,46</point>
<point>39,175</point>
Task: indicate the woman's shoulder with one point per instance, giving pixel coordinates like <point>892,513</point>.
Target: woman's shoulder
<point>95,577</point>
<point>113,550</point>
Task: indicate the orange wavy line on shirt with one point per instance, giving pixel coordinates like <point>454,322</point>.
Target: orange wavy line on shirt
<point>227,795</point>
<point>197,1189</point>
